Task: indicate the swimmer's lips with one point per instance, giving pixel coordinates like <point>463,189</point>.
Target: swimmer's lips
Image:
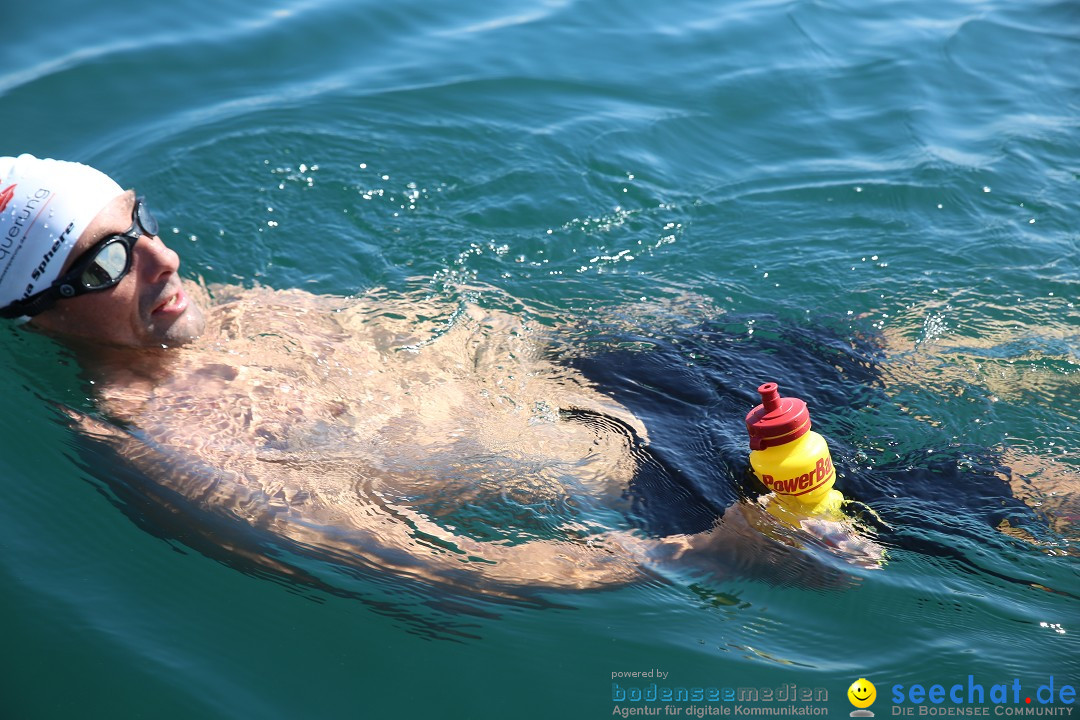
<point>175,305</point>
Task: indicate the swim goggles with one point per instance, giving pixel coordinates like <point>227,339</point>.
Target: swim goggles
<point>99,268</point>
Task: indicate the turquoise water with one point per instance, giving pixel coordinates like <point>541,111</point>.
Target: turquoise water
<point>904,174</point>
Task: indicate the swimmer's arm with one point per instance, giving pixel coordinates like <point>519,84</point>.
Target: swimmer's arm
<point>734,545</point>
<point>397,539</point>
<point>409,542</point>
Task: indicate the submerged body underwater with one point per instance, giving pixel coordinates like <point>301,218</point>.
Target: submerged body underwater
<point>472,451</point>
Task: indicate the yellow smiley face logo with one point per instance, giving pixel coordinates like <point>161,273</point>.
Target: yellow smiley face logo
<point>862,693</point>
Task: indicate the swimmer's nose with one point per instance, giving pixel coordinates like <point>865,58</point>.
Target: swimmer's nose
<point>156,261</point>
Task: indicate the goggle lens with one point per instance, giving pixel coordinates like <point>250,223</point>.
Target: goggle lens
<point>107,268</point>
<point>113,259</point>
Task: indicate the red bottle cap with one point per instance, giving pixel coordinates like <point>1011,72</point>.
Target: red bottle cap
<point>776,420</point>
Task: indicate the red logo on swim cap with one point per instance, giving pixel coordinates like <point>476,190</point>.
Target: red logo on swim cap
<point>5,196</point>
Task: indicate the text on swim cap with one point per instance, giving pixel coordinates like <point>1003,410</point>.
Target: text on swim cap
<point>46,258</point>
<point>19,225</point>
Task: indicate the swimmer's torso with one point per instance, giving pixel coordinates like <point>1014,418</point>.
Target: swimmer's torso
<point>330,406</point>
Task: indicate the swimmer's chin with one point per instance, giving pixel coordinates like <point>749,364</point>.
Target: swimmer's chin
<point>185,329</point>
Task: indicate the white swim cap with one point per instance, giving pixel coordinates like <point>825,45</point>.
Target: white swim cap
<point>45,205</point>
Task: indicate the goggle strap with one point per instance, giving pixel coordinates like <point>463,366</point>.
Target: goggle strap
<point>31,306</point>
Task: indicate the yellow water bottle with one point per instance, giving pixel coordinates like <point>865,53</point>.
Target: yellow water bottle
<point>790,459</point>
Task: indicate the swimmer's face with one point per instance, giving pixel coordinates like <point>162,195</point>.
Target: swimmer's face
<point>862,693</point>
<point>147,308</point>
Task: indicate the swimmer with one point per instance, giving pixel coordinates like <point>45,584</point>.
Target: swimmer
<point>366,430</point>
